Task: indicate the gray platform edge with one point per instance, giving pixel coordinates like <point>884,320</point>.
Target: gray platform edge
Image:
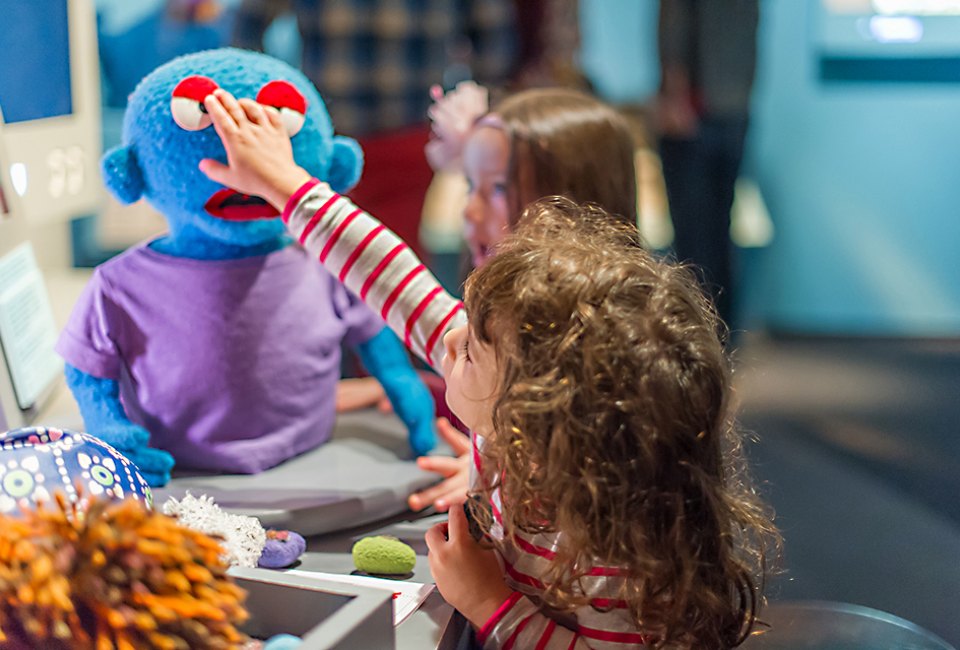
<point>327,616</point>
<point>363,475</point>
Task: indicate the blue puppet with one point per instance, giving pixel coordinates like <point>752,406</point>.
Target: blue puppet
<point>217,345</point>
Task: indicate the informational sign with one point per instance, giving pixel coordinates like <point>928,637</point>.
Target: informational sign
<point>28,330</point>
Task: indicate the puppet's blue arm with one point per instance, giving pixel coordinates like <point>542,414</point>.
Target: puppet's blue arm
<point>385,358</point>
<point>103,417</point>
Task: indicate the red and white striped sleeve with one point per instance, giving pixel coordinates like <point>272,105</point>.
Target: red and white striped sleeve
<point>519,623</point>
<point>377,266</point>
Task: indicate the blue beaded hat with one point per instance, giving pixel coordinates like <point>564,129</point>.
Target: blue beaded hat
<point>37,462</point>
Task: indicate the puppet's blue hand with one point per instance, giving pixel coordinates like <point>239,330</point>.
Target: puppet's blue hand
<point>133,442</point>
<point>386,359</point>
<point>419,413</point>
<point>103,417</point>
<point>413,403</point>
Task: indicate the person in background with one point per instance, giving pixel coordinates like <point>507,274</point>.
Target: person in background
<point>613,507</point>
<point>535,143</point>
<point>707,61</point>
<point>548,45</point>
<point>374,63</point>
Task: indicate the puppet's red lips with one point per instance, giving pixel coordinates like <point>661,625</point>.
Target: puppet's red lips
<point>233,206</point>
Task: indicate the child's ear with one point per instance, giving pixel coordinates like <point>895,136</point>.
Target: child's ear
<point>346,164</point>
<point>122,175</point>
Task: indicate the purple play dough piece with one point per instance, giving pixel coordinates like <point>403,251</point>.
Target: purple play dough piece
<point>279,553</point>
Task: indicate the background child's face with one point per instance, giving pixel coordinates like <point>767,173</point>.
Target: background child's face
<point>486,160</point>
<point>470,371</point>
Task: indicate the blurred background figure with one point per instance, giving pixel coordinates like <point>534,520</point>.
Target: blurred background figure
<point>374,63</point>
<point>707,62</point>
<point>548,44</point>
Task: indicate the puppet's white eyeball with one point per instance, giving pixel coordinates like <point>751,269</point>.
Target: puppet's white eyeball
<point>292,120</point>
<point>290,102</point>
<point>189,114</point>
<point>186,104</point>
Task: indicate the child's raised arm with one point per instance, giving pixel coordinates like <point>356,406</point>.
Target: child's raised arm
<point>354,246</point>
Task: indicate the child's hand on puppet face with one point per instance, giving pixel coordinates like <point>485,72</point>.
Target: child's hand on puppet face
<point>468,576</point>
<point>259,155</point>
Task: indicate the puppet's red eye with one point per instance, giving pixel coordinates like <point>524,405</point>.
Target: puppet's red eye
<point>186,103</point>
<point>284,96</point>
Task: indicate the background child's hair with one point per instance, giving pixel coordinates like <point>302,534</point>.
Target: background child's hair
<point>565,142</point>
<point>613,425</point>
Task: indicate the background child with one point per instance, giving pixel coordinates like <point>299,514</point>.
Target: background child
<point>597,378</point>
<point>536,143</point>
<point>539,142</point>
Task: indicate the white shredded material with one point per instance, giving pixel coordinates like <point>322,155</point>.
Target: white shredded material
<point>242,538</point>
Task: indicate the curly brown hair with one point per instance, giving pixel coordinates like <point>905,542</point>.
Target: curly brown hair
<point>614,426</point>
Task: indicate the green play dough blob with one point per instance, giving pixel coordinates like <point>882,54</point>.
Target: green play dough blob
<point>383,554</point>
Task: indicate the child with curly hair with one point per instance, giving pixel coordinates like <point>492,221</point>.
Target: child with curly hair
<point>614,506</point>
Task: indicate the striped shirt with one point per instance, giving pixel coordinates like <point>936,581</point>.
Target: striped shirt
<point>377,266</point>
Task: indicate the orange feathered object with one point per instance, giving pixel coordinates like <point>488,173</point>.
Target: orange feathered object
<point>113,576</point>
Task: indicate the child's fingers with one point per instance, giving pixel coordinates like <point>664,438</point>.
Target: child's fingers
<point>215,170</point>
<point>457,527</point>
<point>473,94</point>
<point>469,84</point>
<point>254,111</point>
<point>385,406</point>
<point>459,442</point>
<point>222,121</point>
<point>442,465</point>
<point>436,92</point>
<point>420,500</point>
<point>231,105</point>
<point>449,500</point>
<point>439,115</point>
<point>436,537</point>
<point>273,115</point>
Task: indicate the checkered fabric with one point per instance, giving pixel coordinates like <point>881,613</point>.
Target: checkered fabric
<point>375,60</point>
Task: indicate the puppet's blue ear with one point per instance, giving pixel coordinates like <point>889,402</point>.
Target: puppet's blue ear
<point>122,174</point>
<point>346,164</point>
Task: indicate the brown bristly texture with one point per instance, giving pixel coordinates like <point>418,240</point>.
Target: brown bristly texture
<point>113,576</point>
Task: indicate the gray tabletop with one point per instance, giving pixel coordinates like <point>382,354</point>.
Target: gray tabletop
<point>434,624</point>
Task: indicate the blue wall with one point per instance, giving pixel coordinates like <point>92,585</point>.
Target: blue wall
<point>862,183</point>
<point>860,179</point>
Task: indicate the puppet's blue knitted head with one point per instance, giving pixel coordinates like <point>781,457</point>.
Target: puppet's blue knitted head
<point>166,134</point>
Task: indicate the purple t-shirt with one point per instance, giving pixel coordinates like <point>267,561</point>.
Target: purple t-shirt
<point>231,365</point>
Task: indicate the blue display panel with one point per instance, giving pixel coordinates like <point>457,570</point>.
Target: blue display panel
<point>34,60</point>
